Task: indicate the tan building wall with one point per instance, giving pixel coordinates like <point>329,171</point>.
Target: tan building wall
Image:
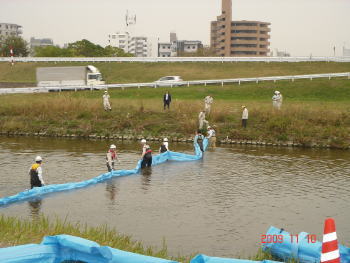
<point>239,38</point>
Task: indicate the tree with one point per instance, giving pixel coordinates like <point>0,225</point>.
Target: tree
<point>116,52</point>
<point>85,48</point>
<point>52,51</point>
<point>18,44</point>
<point>82,48</point>
<point>201,52</point>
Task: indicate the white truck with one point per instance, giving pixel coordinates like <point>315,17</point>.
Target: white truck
<point>68,76</point>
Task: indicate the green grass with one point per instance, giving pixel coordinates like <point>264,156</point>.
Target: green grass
<point>15,231</point>
<point>147,72</point>
<point>313,112</point>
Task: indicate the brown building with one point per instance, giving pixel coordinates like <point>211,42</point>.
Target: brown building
<point>239,38</point>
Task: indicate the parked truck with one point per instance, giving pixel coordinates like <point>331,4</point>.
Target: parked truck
<point>68,76</point>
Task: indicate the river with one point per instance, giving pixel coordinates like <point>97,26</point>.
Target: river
<point>219,206</point>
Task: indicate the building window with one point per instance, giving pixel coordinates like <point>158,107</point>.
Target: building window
<point>245,24</point>
<point>245,31</point>
<point>262,46</point>
<point>113,36</point>
<point>244,38</point>
<point>263,39</point>
<point>243,45</point>
<point>263,32</point>
<point>243,52</point>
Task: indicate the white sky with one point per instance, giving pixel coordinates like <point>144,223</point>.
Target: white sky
<point>300,27</point>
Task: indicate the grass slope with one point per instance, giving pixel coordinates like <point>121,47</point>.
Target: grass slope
<point>147,72</point>
<point>313,112</point>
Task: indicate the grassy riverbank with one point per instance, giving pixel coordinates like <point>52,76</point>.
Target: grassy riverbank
<point>15,231</point>
<point>315,111</point>
<point>148,72</point>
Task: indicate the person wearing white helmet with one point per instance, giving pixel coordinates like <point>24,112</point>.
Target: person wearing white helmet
<point>211,136</point>
<point>277,100</point>
<point>106,104</point>
<point>36,174</point>
<point>111,157</point>
<point>146,154</point>
<point>165,146</point>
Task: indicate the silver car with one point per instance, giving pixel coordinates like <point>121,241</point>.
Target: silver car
<point>169,81</point>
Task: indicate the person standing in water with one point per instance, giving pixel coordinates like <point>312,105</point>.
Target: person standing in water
<point>165,146</point>
<point>111,156</point>
<point>146,154</point>
<point>36,174</point>
<point>198,139</point>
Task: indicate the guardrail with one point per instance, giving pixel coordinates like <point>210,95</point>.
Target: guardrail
<point>176,59</point>
<point>182,83</point>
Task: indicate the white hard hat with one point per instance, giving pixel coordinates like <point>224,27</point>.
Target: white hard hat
<point>106,91</point>
<point>209,127</point>
<point>143,141</point>
<point>165,139</point>
<point>113,146</point>
<point>38,159</point>
<point>277,92</point>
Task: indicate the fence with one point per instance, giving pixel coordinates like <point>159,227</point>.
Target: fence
<point>176,59</point>
<point>182,83</point>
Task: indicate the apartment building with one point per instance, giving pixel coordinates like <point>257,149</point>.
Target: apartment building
<point>239,38</point>
<point>139,46</point>
<point>120,40</point>
<point>177,47</point>
<point>7,30</point>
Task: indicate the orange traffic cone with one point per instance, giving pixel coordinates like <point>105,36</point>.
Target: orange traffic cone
<point>330,250</point>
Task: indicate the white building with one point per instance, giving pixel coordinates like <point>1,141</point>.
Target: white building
<point>7,30</point>
<point>164,49</point>
<point>178,47</point>
<point>346,52</point>
<point>120,40</point>
<point>136,45</point>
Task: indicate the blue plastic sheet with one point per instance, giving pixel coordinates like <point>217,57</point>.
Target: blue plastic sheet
<point>205,259</point>
<point>56,249</point>
<point>55,188</point>
<point>302,249</point>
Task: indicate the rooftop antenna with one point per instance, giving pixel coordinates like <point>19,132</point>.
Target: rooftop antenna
<point>130,20</point>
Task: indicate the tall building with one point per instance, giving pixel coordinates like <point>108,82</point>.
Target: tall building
<point>238,38</point>
<point>7,30</point>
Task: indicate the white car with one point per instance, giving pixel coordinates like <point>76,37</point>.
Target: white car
<point>169,81</point>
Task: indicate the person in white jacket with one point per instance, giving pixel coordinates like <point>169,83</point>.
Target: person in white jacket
<point>208,101</point>
<point>202,120</point>
<point>244,117</point>
<point>165,146</point>
<point>277,100</point>
<point>106,104</point>
<point>36,174</point>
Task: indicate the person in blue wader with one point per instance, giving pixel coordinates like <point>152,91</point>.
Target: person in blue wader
<point>146,154</point>
<point>199,140</point>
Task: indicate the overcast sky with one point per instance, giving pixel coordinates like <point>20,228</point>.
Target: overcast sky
<point>300,27</point>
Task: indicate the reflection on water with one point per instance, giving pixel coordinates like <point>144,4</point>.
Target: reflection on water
<point>219,206</point>
<point>34,207</point>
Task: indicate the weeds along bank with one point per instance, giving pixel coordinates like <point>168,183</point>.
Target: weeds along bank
<point>15,231</point>
<point>313,112</point>
<point>115,72</point>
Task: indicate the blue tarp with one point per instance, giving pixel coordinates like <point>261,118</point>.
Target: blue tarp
<point>302,249</point>
<point>56,249</point>
<point>205,259</point>
<point>54,188</point>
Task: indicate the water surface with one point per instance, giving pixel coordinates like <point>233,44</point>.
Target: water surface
<point>220,205</point>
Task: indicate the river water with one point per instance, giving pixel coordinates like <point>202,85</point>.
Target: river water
<point>219,206</point>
